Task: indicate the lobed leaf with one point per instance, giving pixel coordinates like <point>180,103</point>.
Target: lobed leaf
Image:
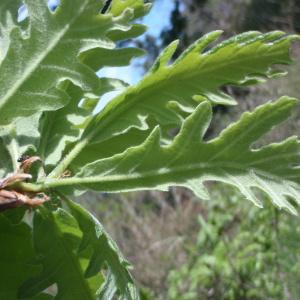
<point>49,89</point>
<point>56,238</point>
<point>35,64</point>
<point>170,92</point>
<point>69,257</point>
<point>189,161</point>
<point>41,134</point>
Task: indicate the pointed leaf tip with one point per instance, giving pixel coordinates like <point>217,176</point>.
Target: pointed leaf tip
<point>165,57</point>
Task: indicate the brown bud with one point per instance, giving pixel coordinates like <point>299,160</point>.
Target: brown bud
<point>13,199</point>
<point>13,178</point>
<point>26,163</point>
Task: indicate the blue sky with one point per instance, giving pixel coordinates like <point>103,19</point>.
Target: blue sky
<point>156,20</point>
<point>159,16</point>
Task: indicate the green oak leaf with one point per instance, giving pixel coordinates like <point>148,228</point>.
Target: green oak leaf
<point>171,91</point>
<point>189,161</point>
<point>56,238</point>
<point>35,64</point>
<point>49,92</point>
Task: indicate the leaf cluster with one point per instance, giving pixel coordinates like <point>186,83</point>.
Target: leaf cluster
<point>48,97</point>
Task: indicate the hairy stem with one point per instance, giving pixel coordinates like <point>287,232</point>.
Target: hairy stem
<point>61,167</point>
<point>105,117</point>
<point>30,187</point>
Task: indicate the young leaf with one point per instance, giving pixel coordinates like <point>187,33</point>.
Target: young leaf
<point>6,165</point>
<point>36,63</point>
<point>8,11</point>
<point>189,161</point>
<point>197,72</point>
<point>50,139</point>
<point>170,92</point>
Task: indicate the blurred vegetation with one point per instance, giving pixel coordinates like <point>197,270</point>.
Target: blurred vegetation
<point>185,249</point>
<point>191,19</point>
<point>242,252</point>
<point>152,229</point>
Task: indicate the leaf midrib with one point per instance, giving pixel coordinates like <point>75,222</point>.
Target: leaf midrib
<point>206,167</point>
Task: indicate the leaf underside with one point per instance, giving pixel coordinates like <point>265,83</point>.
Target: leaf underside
<point>189,161</point>
<point>172,91</point>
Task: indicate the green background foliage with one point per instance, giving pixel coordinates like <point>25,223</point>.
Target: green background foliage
<point>242,252</point>
<point>48,94</point>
